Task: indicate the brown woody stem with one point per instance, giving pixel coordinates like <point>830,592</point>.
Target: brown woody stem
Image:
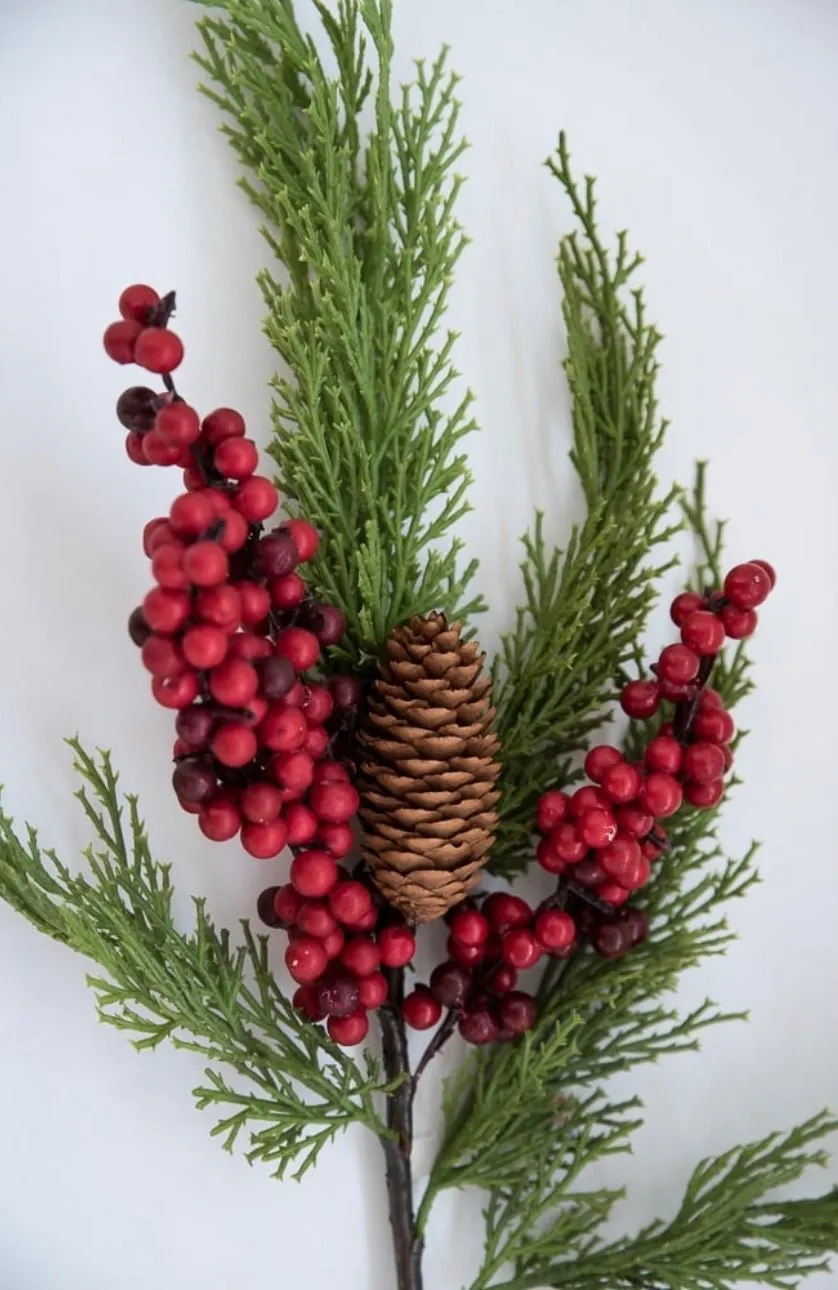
<point>408,1244</point>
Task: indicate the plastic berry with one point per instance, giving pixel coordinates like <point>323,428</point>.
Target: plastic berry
<point>336,838</point>
<point>319,705</point>
<point>599,759</point>
<point>470,927</point>
<point>636,924</point>
<point>748,585</point>
<point>704,795</point>
<point>549,860</point>
<point>194,781</point>
<point>266,910</point>
<point>304,536</point>
<point>612,893</point>
<point>555,929</point>
<point>255,606</point>
<point>204,646</point>
<point>219,820</point>
<point>678,665</point>
<point>349,1031</point>
<point>620,858</point>
<point>234,744</point>
<point>338,994</point>
<point>304,1000</point>
<point>256,498</point>
<point>715,725</point>
<point>287,592</point>
<point>517,1012</point>
<point>287,904</point>
<point>314,874</point>
<point>630,819</point>
<point>565,841</point>
<point>704,762</point>
<point>360,955</point>
<point>264,841</point>
<point>551,809</point>
<point>223,423</point>
<point>177,691</point>
<point>345,691</point>
<point>120,340</point>
<point>664,753</point>
<point>661,795</point>
<point>589,873</point>
<point>195,725</point>
<point>275,554</point>
<point>587,798</point>
<point>621,782</point>
<point>177,424</point>
<point>520,948</point>
<point>134,449</point>
<point>739,623</point>
<point>162,656</point>
<point>373,990</point>
<point>505,910</point>
<point>302,648</point>
<point>206,564</point>
<point>138,301</point>
<point>158,350</point>
<point>421,1009</point>
<point>350,901</point>
<point>236,458</point>
<point>335,803</point>
<point>282,729</point>
<point>301,823</point>
<point>612,940</point>
<point>330,772</point>
<point>640,699</point>
<point>703,632</point>
<point>397,945</point>
<point>165,611</point>
<point>136,408</point>
<point>689,602</point>
<point>276,676</point>
<point>478,1027</point>
<point>501,979</point>
<point>466,955</point>
<point>306,960</point>
<point>597,828</point>
<point>233,683</point>
<point>769,569</point>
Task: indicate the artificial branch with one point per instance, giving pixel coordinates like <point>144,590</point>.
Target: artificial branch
<point>397,1144</point>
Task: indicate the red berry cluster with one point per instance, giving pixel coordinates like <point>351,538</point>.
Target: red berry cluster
<point>602,839</point>
<point>340,937</point>
<point>229,631</point>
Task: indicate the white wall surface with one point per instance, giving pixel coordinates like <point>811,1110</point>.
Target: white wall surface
<point>713,129</point>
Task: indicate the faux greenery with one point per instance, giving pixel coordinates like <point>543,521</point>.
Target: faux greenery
<point>357,187</point>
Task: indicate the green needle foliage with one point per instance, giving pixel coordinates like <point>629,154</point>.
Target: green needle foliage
<point>584,609</point>
<point>368,425</point>
<point>292,1090</point>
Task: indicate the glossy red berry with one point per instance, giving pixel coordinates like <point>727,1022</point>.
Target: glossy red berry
<point>567,843</point>
<point>120,340</point>
<point>264,841</point>
<point>630,819</point>
<point>205,564</point>
<point>338,993</point>
<point>504,910</point>
<point>158,350</point>
<point>334,802</point>
<point>621,782</point>
<point>349,1031</point>
<point>619,859</point>
<point>314,874</point>
<point>703,632</point>
<point>599,759</point>
<point>176,691</point>
<point>372,990</point>
<point>306,960</point>
<point>549,860</point>
<point>304,536</point>
<point>300,647</point>
<point>552,807</point>
<point>219,820</point>
<point>747,585</point>
<point>177,424</point>
<point>275,555</point>
<point>664,753</point>
<point>769,569</point>
<point>661,795</point>
<point>640,699</point>
<point>612,893</point>
<point>678,665</point>
<point>234,744</point>
<point>305,1001</point>
<point>555,929</point>
<point>223,423</point>
<point>587,798</point>
<point>361,955</point>
<point>706,794</point>
<point>301,823</point>
<point>282,729</point>
<point>397,945</point>
<point>466,955</point>
<point>517,1012</point>
<point>288,591</point>
<point>137,302</point>
<point>420,1009</point>
<point>703,762</point>
<point>715,725</point>
<point>287,904</point>
<point>738,623</point>
<point>233,683</point>
<point>520,949</point>
<point>350,902</point>
<point>256,498</point>
<point>470,927</point>
<point>236,458</point>
<point>684,605</point>
<point>597,828</point>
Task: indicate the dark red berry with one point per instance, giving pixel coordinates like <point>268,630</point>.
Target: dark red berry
<point>276,676</point>
<point>338,994</point>
<point>589,873</point>
<point>266,910</point>
<point>194,781</point>
<point>478,1027</point>
<point>276,554</point>
<point>305,1001</point>
<point>684,605</point>
<point>138,628</point>
<point>420,1009</point>
<point>304,536</point>
<point>346,691</point>
<point>517,1012</point>
<point>640,699</point>
<point>502,979</point>
<point>330,626</point>
<point>704,762</point>
<point>636,924</point>
<point>136,408</point>
<point>747,585</point>
<point>470,927</point>
<point>612,940</point>
<point>158,350</point>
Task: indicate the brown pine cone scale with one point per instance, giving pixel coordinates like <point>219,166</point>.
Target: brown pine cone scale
<point>429,770</point>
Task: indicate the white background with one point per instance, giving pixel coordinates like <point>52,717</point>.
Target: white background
<point>713,129</point>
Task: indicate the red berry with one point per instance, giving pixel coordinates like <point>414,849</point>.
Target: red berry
<point>136,408</point>
<point>552,807</point>
<point>264,841</point>
<point>315,919</point>
<point>134,449</point>
<point>678,665</point>
<point>157,452</point>
<point>236,458</point>
<point>612,940</point>
<point>597,828</point>
<point>302,648</point>
<point>338,993</point>
<point>640,699</point>
<point>251,648</point>
<point>137,301</point>
<point>703,632</point>
<point>234,531</point>
<point>621,782</point>
<point>704,762</point>
<point>177,691</point>
<point>737,623</point>
<point>167,567</point>
<point>397,945</point>
<point>162,656</point>
<point>336,838</point>
<point>223,423</point>
<point>470,927</point>
<point>282,729</point>
<point>586,799</point>
<point>335,802</point>
<point>194,781</point>
<point>715,725</point>
<point>589,873</point>
<point>160,525</point>
<point>630,819</point>
<point>256,498</point>
<point>361,955</point>
<point>331,624</point>
<point>267,912</point>
<point>195,725</point>
<point>505,910</point>
<point>120,340</point>
<point>367,922</point>
<point>612,893</point>
<point>293,771</point>
<point>420,1009</point>
<point>191,513</point>
<point>204,646</point>
<point>599,759</point>
<point>305,1001</point>
<point>349,1031</point>
<point>501,980</point>
<point>346,691</point>
<point>466,955</point>
<point>219,820</point>
<point>769,569</point>
<point>177,424</point>
<point>158,350</point>
<point>478,1027</point>
<point>287,592</point>
<point>306,960</point>
<point>567,844</point>
<point>287,904</point>
<point>330,772</point>
<point>450,984</point>
<point>621,857</point>
<point>548,858</point>
<point>684,605</point>
<point>660,795</point>
<point>206,564</point>
<point>704,795</point>
<point>314,874</point>
<point>255,603</point>
<point>520,949</point>
<point>260,803</point>
<point>555,929</point>
<point>747,585</point>
<point>301,823</point>
<point>234,744</point>
<point>305,538</point>
<point>233,683</point>
<point>372,990</point>
<point>709,698</point>
<point>319,705</point>
<point>219,606</point>
<point>517,1012</point>
<point>664,753</point>
<point>166,611</point>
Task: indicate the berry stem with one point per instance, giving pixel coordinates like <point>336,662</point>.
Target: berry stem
<point>443,1034</point>
<point>408,1244</point>
<point>685,712</point>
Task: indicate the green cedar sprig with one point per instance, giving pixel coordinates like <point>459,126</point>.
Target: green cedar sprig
<point>294,1090</point>
<point>365,443</point>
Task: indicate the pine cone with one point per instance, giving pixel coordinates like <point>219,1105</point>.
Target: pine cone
<point>428,771</point>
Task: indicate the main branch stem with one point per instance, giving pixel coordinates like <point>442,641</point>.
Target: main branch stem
<point>408,1244</point>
